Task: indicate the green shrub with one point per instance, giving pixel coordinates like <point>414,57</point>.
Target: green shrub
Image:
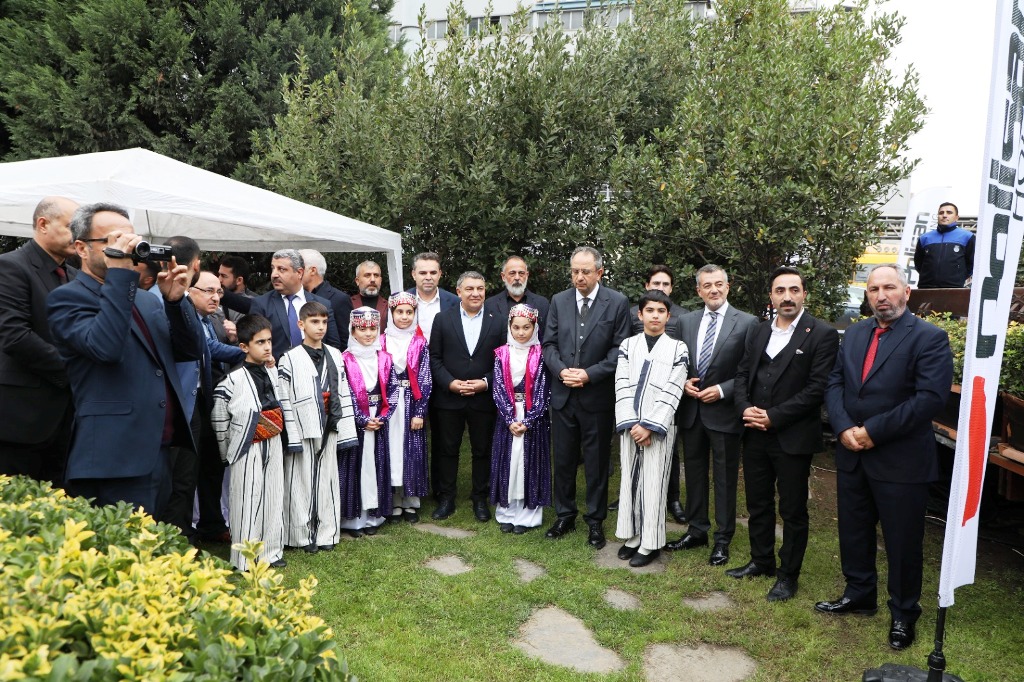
<point>1011,374</point>
<point>109,594</point>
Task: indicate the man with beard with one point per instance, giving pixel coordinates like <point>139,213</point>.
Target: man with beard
<point>313,281</point>
<point>368,281</point>
<point>780,387</point>
<point>891,377</point>
<point>515,275</point>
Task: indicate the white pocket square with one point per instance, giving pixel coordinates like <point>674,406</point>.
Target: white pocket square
<point>799,352</point>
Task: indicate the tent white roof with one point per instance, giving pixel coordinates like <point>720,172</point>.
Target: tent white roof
<point>166,197</point>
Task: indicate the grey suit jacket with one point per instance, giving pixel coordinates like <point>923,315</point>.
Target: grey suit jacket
<point>736,328</point>
<point>607,326</point>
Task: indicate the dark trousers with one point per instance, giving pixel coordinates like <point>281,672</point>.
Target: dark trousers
<point>451,425</point>
<point>673,473</point>
<point>184,478</point>
<point>765,468</point>
<point>574,431</point>
<point>44,461</point>
<point>706,451</point>
<point>211,482</point>
<point>150,491</point>
<point>435,450</point>
<point>900,507</point>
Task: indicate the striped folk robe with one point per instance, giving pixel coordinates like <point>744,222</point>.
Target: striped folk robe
<point>648,386</point>
<point>312,509</point>
<point>256,503</point>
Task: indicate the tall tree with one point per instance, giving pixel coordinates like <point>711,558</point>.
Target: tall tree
<point>189,79</point>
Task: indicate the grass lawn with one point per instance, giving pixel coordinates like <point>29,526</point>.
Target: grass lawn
<point>396,620</point>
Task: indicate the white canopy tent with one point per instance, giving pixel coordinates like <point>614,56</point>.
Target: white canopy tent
<point>166,197</point>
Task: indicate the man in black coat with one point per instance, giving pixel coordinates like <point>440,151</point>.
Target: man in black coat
<point>585,326</point>
<point>514,276</point>
<point>462,345</point>
<point>341,304</point>
<point>780,388</point>
<point>34,386</point>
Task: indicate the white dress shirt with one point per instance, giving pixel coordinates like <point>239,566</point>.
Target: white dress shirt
<point>703,330</point>
<point>426,311</point>
<point>780,337</point>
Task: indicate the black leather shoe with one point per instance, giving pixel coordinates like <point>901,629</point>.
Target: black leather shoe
<point>481,511</point>
<point>640,560</point>
<point>445,508</point>
<point>751,570</point>
<point>783,589</point>
<point>325,548</point>
<point>370,530</point>
<point>675,509</point>
<point>688,541</point>
<point>901,634</point>
<point>519,530</point>
<point>614,506</point>
<point>626,553</point>
<point>353,532</point>
<point>394,518</point>
<point>411,516</point>
<point>595,538</point>
<point>843,606</point>
<point>719,555</point>
<point>505,527</point>
<point>281,563</point>
<point>310,548</point>
<point>560,528</point>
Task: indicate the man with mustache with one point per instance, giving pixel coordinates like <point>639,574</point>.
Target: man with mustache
<point>368,281</point>
<point>891,377</point>
<point>313,281</point>
<point>515,275</point>
<point>780,387</point>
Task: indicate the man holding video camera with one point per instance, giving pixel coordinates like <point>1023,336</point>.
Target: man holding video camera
<point>120,351</point>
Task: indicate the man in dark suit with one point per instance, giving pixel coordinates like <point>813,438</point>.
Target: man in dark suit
<point>660,277</point>
<point>341,304</point>
<point>120,349</point>
<point>779,388</point>
<point>462,345</point>
<point>891,377</point>
<point>33,382</point>
<point>585,326</point>
<point>716,336</point>
<point>514,277</point>
<point>281,304</point>
<point>368,281</point>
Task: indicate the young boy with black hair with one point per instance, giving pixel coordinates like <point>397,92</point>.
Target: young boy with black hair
<point>252,419</point>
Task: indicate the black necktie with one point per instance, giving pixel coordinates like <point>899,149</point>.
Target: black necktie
<point>585,308</point>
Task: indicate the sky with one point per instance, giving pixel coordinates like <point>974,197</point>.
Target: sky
<point>949,43</point>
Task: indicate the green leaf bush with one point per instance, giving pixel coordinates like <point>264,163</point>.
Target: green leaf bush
<point>1011,375</point>
<point>107,593</point>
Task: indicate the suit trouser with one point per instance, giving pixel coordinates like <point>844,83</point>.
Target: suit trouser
<point>765,468</point>
<point>673,473</point>
<point>701,445</point>
<point>43,461</point>
<point>575,430</point>
<point>451,425</point>
<point>862,503</point>
<point>435,450</point>
<point>211,482</point>
<point>149,491</point>
<point>184,479</point>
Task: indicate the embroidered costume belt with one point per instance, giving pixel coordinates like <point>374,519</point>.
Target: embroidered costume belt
<point>520,397</point>
<point>270,424</point>
<point>404,383</point>
<point>374,399</point>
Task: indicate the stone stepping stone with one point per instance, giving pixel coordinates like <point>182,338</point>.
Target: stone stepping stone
<point>558,638</point>
<point>702,663</point>
<point>622,601</point>
<point>528,571</point>
<point>712,601</point>
<point>607,558</point>
<point>444,531</point>
<point>448,565</point>
<point>745,522</point>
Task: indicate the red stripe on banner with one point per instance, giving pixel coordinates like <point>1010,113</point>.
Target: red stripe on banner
<point>977,449</point>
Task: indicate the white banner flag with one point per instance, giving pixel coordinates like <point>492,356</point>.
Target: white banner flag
<point>996,253</point>
<point>922,216</point>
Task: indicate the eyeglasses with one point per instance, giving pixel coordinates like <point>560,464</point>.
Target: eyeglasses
<point>209,291</point>
<point>586,272</point>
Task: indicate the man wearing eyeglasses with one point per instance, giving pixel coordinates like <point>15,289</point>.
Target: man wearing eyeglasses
<point>515,275</point>
<point>120,348</point>
<point>585,326</point>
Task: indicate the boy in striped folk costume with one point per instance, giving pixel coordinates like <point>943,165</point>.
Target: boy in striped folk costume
<point>648,385</point>
<point>252,419</point>
<point>313,377</point>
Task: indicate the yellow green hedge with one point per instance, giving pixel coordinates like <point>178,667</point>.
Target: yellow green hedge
<point>108,594</point>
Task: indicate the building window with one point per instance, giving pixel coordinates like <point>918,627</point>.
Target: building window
<point>437,30</point>
<point>394,32</point>
<point>572,20</point>
<point>617,17</point>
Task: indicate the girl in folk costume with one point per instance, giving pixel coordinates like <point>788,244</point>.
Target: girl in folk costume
<point>410,355</point>
<point>520,454</point>
<point>648,385</point>
<point>313,377</point>
<point>364,470</point>
<point>251,416</point>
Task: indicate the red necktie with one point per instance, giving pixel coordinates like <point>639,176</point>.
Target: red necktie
<point>872,351</point>
<point>62,274</point>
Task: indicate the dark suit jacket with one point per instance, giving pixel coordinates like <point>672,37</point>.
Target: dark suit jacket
<point>500,303</point>
<point>908,385</point>
<point>674,328</point>
<point>218,358</point>
<point>450,358</point>
<point>119,384</point>
<point>607,326</point>
<point>33,382</point>
<point>271,306</point>
<point>342,306</point>
<point>725,360</point>
<point>381,306</point>
<point>797,383</point>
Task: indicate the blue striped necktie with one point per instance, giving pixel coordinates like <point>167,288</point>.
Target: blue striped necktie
<point>293,322</point>
<point>707,346</point>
